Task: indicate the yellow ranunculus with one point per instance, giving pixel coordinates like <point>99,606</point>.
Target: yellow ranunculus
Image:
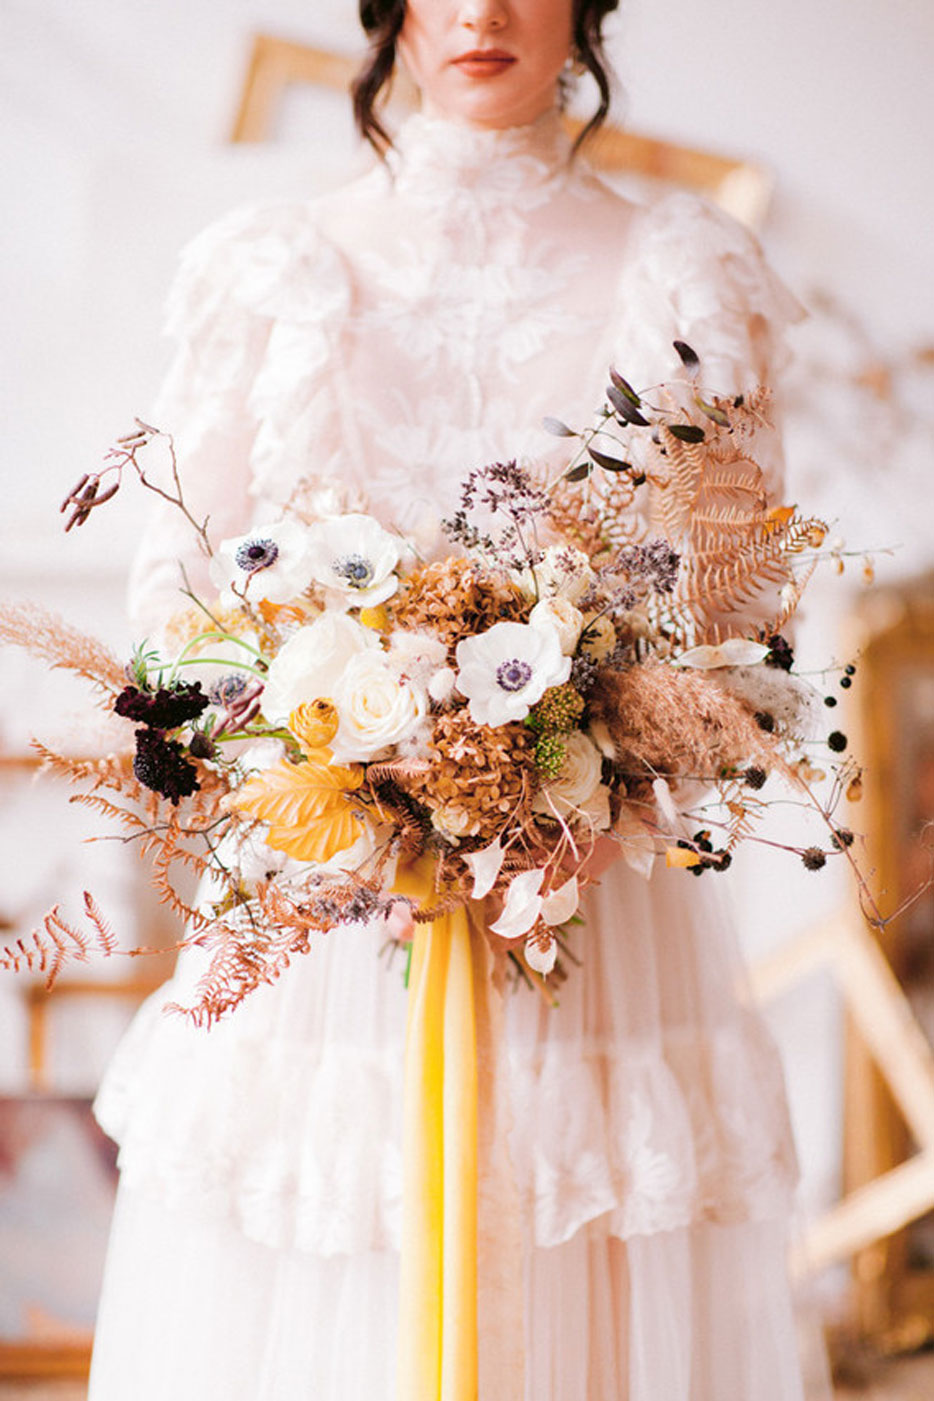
<point>314,724</point>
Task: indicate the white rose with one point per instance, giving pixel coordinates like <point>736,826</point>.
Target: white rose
<point>353,557</point>
<point>311,663</point>
<point>376,707</point>
<point>559,613</point>
<point>577,794</point>
<point>272,562</point>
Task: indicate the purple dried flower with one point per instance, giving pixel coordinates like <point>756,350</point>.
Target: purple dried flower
<point>656,564</point>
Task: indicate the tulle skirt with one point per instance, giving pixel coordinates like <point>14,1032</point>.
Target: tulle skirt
<point>254,1250</point>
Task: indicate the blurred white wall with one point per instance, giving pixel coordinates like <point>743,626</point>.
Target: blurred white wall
<point>113,151</point>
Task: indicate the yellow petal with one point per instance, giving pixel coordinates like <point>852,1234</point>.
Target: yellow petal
<point>681,856</point>
<point>281,612</point>
<point>306,806</point>
<point>314,724</point>
<point>376,617</point>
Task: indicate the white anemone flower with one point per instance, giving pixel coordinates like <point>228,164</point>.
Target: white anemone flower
<point>353,557</point>
<point>506,669</point>
<point>272,564</point>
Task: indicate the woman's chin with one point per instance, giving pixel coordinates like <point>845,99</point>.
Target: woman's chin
<point>487,105</point>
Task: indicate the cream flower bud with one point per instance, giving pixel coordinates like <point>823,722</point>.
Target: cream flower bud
<point>454,821</point>
<point>559,613</point>
<point>562,571</point>
<point>599,637</point>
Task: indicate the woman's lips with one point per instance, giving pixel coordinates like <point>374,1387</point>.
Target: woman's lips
<point>484,63</point>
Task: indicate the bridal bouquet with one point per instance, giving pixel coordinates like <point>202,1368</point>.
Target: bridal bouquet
<point>598,659</point>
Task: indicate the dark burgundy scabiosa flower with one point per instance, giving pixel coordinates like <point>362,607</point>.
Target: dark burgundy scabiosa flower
<point>164,709</point>
<point>160,764</point>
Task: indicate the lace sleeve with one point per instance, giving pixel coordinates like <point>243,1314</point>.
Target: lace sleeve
<point>204,405</point>
<point>700,277</point>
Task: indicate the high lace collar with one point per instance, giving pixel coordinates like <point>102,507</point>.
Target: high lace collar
<point>433,155</point>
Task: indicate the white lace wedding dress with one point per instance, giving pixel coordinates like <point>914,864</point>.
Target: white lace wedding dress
<point>392,336</point>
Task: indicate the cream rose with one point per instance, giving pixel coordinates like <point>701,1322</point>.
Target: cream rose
<point>310,665</point>
<point>454,821</point>
<point>559,613</point>
<point>377,708</point>
<point>577,794</point>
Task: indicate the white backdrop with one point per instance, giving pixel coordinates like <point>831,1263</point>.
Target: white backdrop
<point>113,137</point>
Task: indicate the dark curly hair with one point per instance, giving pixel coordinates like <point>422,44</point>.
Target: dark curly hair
<point>382,20</point>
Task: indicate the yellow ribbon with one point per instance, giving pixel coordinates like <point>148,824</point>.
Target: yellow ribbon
<point>438,1336</point>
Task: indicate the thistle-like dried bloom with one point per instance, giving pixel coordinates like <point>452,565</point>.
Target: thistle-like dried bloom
<point>454,599</point>
<point>481,771</point>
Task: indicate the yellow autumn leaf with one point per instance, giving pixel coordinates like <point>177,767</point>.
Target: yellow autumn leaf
<point>306,806</point>
<point>681,856</point>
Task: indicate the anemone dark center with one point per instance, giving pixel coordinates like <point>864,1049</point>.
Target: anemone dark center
<point>256,554</point>
<point>513,674</point>
<point>356,569</point>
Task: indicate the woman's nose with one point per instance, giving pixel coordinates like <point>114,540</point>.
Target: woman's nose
<point>483,15</point>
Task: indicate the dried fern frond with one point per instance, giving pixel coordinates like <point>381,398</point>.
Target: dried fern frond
<point>55,942</point>
<point>48,636</point>
<point>113,771</point>
<point>597,515</point>
<point>257,941</point>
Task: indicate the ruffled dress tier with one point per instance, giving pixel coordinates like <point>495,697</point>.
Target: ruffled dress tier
<point>388,338</point>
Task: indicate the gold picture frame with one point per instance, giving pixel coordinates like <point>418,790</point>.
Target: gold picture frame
<point>743,188</point>
<point>894,1278</point>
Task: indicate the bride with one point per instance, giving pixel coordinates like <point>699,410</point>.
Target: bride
<point>387,338</point>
